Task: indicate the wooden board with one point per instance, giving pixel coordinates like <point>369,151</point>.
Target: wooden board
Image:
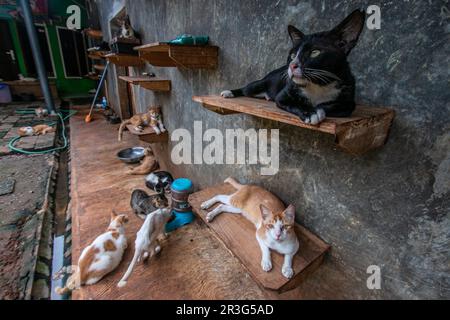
<point>148,135</point>
<point>95,57</point>
<point>163,54</point>
<point>149,83</point>
<point>238,235</point>
<point>96,34</point>
<point>99,67</point>
<point>18,87</point>
<point>366,129</point>
<point>124,60</point>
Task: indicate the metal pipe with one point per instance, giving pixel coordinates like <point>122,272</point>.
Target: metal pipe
<point>37,54</point>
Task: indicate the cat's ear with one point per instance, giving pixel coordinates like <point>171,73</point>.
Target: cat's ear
<point>114,214</point>
<point>295,34</point>
<point>265,212</point>
<point>348,31</point>
<point>289,215</point>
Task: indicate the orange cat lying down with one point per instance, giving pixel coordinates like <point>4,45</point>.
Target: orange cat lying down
<point>273,221</point>
<point>37,130</point>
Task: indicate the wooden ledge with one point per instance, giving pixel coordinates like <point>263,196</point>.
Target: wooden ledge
<point>148,135</point>
<point>163,54</point>
<point>124,60</point>
<point>149,83</point>
<point>238,235</point>
<point>99,67</point>
<point>366,129</point>
<point>96,34</point>
<point>95,57</point>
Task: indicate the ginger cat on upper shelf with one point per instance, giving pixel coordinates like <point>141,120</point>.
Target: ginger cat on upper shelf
<point>273,221</point>
<point>101,257</point>
<point>148,165</point>
<point>37,130</point>
<point>152,118</point>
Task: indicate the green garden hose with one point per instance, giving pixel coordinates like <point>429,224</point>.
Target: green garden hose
<point>61,118</point>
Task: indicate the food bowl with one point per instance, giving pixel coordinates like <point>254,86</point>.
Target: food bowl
<point>131,155</point>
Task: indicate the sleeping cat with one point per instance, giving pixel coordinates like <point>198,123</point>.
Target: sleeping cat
<point>101,257</point>
<point>148,165</point>
<point>273,221</point>
<point>143,204</point>
<point>316,81</point>
<point>37,130</point>
<point>151,118</point>
<point>147,239</point>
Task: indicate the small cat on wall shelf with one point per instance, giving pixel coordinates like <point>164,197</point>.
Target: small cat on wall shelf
<point>101,257</point>
<point>317,81</point>
<point>273,221</point>
<point>152,118</point>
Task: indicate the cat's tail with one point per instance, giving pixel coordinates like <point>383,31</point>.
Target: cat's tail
<point>72,283</point>
<point>234,183</point>
<point>127,274</point>
<point>121,128</point>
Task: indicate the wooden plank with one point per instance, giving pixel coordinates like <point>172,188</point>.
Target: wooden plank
<point>149,83</point>
<point>366,129</point>
<point>95,57</point>
<point>96,34</point>
<point>163,54</point>
<point>99,67</point>
<point>148,135</point>
<point>124,60</point>
<point>238,235</point>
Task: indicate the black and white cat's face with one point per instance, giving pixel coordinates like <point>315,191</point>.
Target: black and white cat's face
<point>319,57</point>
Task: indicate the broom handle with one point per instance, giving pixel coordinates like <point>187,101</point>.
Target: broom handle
<point>102,79</point>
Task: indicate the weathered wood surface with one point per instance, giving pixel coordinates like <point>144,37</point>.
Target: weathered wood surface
<point>149,83</point>
<point>96,34</point>
<point>193,264</point>
<point>99,67</point>
<point>163,54</point>
<point>238,235</point>
<point>148,134</point>
<point>366,129</point>
<point>124,60</point>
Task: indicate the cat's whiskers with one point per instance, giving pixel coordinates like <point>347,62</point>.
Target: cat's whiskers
<point>318,77</point>
<point>324,73</point>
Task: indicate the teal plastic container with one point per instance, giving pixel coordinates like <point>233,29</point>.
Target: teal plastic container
<point>182,212</point>
<point>187,39</point>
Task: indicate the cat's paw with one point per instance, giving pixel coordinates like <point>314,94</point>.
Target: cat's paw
<point>163,129</point>
<point>227,94</point>
<point>316,117</point>
<point>287,272</point>
<point>210,216</point>
<point>205,205</point>
<point>122,284</point>
<point>157,249</point>
<point>266,265</point>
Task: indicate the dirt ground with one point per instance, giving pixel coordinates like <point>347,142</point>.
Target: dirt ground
<point>20,222</point>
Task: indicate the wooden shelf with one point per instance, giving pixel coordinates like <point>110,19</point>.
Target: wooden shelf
<point>148,135</point>
<point>95,57</point>
<point>124,60</point>
<point>238,235</point>
<point>96,34</point>
<point>366,129</point>
<point>163,54</point>
<point>99,67</point>
<point>149,83</point>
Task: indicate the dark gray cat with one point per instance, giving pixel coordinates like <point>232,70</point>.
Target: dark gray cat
<point>143,204</point>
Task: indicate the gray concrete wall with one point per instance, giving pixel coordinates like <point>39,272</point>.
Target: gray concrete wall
<point>387,208</point>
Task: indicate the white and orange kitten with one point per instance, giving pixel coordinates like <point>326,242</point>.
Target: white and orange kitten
<point>273,221</point>
<point>147,239</point>
<point>101,257</point>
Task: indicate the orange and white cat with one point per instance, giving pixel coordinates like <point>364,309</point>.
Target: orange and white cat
<point>273,221</point>
<point>101,257</point>
<point>37,130</point>
<point>148,165</point>
<point>151,118</point>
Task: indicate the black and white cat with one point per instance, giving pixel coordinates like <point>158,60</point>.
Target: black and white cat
<point>316,81</point>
